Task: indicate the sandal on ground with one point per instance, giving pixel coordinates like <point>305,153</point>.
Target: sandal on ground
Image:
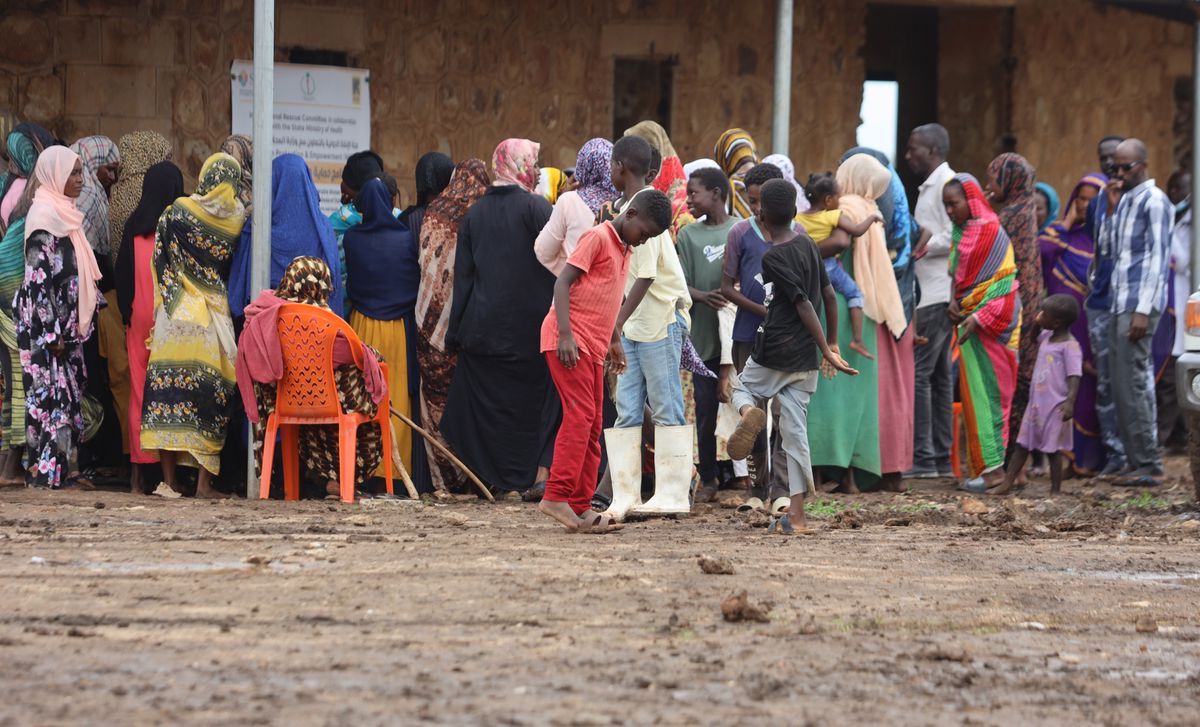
<point>1136,480</point>
<point>784,526</point>
<point>78,481</point>
<point>602,524</point>
<point>535,493</point>
<point>752,505</point>
<point>780,505</point>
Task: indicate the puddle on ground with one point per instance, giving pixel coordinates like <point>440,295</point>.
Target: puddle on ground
<point>1168,580</point>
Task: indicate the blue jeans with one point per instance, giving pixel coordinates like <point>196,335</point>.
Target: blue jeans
<point>652,375</point>
<point>841,281</point>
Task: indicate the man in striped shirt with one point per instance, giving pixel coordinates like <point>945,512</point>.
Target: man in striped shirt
<point>1138,235</point>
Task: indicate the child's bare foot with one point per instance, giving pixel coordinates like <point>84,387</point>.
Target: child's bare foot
<point>893,482</point>
<point>561,512</point>
<point>860,348</point>
<point>1003,488</point>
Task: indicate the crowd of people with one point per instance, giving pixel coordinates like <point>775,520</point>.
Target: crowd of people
<point>577,335</point>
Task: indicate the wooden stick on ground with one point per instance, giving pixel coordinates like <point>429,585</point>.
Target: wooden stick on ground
<point>446,451</point>
<point>398,464</point>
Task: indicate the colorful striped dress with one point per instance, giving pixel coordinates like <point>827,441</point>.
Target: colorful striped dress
<point>985,286</point>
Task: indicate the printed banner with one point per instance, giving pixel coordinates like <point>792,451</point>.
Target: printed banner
<point>322,113</point>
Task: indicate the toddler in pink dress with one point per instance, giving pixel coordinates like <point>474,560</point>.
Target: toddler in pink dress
<point>1048,425</point>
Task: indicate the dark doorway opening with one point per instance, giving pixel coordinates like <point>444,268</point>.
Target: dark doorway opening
<point>642,89</point>
<point>902,46</point>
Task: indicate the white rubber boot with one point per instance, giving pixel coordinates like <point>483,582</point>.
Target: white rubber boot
<point>672,473</point>
<point>625,463</point>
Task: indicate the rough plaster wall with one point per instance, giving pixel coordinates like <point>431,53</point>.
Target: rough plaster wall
<point>456,76</point>
<point>971,84</point>
<point>1084,73</point>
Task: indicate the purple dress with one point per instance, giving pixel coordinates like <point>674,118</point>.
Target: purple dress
<point>1043,428</point>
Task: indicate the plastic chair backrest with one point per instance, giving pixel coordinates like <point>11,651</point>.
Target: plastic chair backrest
<point>306,337</point>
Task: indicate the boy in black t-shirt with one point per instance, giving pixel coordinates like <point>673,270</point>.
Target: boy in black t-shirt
<point>790,345</point>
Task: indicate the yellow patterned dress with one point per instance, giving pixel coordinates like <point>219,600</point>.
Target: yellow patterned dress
<point>190,378</point>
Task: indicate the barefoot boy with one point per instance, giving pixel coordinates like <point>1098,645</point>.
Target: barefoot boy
<point>789,346</point>
<point>575,338</point>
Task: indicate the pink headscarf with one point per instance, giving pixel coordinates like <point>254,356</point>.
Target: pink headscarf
<point>56,213</point>
<point>515,162</point>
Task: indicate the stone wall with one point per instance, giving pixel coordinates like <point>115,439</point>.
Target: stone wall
<point>460,75</point>
<point>1085,72</point>
<point>456,76</point>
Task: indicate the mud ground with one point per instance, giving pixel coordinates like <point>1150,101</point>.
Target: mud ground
<point>922,608</point>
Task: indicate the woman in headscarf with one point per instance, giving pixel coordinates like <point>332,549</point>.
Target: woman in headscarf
<point>439,240</point>
<point>899,227</point>
<point>789,174</point>
<point>575,211</point>
<point>1067,249</point>
<point>382,278</point>
<point>24,145</point>
<point>870,416</point>
<point>100,158</point>
<point>298,229</point>
<point>736,153</point>
<point>1047,204</point>
<point>139,151</point>
<point>501,412</point>
<point>433,174</point>
<point>55,311</point>
<point>106,353</point>
<point>1010,185</point>
<point>670,179</point>
<point>133,277</point>
<point>361,167</point>
<point>985,306</point>
<point>190,374</point>
<point>241,148</point>
<point>360,388</point>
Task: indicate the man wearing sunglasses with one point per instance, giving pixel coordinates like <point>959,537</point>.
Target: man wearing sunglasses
<point>1137,235</point>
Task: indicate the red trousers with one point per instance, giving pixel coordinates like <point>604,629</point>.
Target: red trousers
<point>577,448</point>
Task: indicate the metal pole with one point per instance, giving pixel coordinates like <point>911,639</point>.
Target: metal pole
<point>782,117</point>
<point>264,112</point>
<point>1195,262</point>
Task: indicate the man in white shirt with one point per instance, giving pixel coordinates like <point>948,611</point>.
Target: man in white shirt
<point>926,153</point>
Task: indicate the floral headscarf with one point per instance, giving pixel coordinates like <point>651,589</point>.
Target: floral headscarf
<point>593,174</point>
<point>515,162</point>
<point>307,280</point>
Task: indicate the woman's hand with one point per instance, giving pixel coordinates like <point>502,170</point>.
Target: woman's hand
<point>954,312</point>
<point>967,328</point>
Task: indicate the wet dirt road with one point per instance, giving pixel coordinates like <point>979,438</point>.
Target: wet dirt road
<point>901,609</point>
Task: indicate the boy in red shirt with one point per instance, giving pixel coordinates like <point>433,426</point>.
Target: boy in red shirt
<point>576,335</point>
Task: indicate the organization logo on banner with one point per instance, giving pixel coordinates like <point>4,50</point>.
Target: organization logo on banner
<point>308,86</point>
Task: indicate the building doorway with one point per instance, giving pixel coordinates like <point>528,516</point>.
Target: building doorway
<point>642,89</point>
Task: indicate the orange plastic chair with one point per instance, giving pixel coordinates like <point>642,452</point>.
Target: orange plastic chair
<point>307,394</point>
<point>955,418</point>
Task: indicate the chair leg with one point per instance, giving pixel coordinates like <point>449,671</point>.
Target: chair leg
<point>955,461</point>
<point>347,449</point>
<point>291,462</point>
<point>268,458</point>
<point>385,437</point>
